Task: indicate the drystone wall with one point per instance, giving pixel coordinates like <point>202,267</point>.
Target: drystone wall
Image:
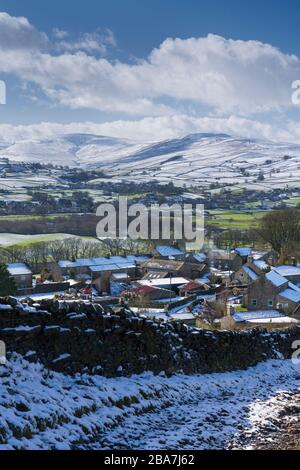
<point>76,337</point>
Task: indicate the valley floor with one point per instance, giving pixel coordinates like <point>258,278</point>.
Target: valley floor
<point>240,410</point>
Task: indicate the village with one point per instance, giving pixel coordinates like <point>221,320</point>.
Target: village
<point>220,289</point>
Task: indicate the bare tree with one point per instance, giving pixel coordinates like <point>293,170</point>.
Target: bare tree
<point>281,228</point>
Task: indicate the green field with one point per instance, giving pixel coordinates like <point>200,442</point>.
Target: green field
<point>235,219</point>
<point>293,201</point>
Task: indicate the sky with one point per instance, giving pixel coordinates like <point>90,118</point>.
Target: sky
<point>150,70</point>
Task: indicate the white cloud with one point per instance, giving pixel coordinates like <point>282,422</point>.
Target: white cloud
<point>223,75</point>
<point>96,42</point>
<point>18,33</point>
<point>60,33</point>
<point>152,129</point>
<point>232,81</point>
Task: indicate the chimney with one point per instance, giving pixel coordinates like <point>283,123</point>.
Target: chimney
<point>250,259</point>
<point>270,261</point>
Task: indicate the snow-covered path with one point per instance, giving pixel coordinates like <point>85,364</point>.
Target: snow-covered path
<point>225,409</point>
<point>42,410</point>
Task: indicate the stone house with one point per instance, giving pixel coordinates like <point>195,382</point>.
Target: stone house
<point>225,260</point>
<point>21,274</point>
<point>272,291</point>
<point>249,273</point>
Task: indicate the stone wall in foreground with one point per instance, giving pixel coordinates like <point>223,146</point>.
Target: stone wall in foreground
<point>76,337</point>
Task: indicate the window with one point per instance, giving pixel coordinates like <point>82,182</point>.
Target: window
<point>270,303</point>
<point>254,302</point>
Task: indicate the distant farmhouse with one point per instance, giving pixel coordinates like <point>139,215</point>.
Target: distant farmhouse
<point>21,273</point>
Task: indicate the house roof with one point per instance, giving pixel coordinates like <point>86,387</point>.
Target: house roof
<point>16,269</point>
<point>120,276</point>
<point>146,290</point>
<point>291,294</point>
<point>108,267</point>
<point>156,275</point>
<point>200,257</point>
<point>266,315</point>
<point>166,282</point>
<point>194,286</point>
<point>243,251</point>
<point>101,261</point>
<point>260,264</point>
<point>288,270</point>
<point>222,254</point>
<point>275,278</point>
<point>250,273</point>
<point>184,316</point>
<point>164,264</point>
<point>168,250</point>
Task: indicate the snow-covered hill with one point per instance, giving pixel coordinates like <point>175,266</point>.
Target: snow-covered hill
<point>195,159</point>
<point>46,410</point>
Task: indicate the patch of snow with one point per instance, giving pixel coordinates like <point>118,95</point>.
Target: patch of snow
<point>140,412</point>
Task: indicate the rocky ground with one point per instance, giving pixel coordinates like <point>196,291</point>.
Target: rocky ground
<point>280,430</point>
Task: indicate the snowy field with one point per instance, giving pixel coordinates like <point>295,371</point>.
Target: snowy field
<point>45,410</point>
<point>7,239</point>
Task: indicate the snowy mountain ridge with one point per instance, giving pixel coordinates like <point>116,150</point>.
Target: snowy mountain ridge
<point>194,159</point>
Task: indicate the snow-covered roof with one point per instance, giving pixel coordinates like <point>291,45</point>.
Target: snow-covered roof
<point>118,276</point>
<point>291,294</point>
<point>288,270</point>
<point>265,315</point>
<point>243,251</point>
<point>258,255</point>
<point>106,267</point>
<point>168,251</point>
<point>200,257</point>
<point>164,282</point>
<point>66,264</point>
<point>204,278</point>
<point>250,273</point>
<point>185,316</point>
<point>276,279</point>
<point>16,269</point>
<point>124,261</point>
<point>260,264</point>
<point>284,319</point>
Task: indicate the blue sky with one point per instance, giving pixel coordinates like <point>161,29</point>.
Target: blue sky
<point>110,63</point>
<point>140,25</point>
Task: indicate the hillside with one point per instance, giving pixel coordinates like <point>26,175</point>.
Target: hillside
<point>194,159</point>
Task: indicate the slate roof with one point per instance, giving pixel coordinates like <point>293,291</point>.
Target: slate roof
<point>124,261</point>
<point>276,279</point>
<point>243,251</point>
<point>18,269</point>
<point>288,270</point>
<point>168,251</point>
<point>291,294</point>
<point>256,315</point>
<point>250,273</point>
